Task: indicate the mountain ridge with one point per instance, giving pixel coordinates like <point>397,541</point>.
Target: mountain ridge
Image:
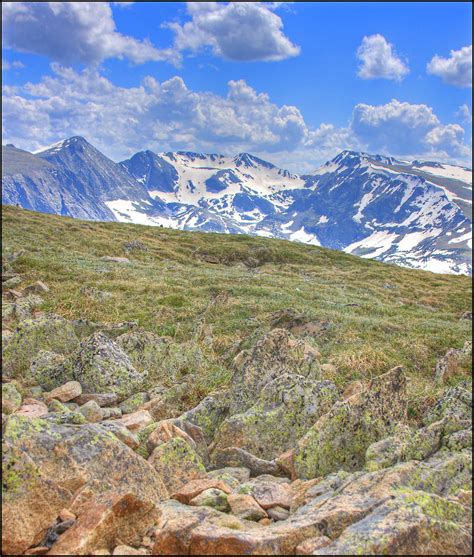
<point>416,214</point>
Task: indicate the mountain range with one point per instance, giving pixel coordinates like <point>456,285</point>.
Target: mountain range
<point>416,214</point>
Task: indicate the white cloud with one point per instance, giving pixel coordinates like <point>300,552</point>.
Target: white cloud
<point>465,114</point>
<point>241,31</point>
<point>402,128</point>
<point>455,70</point>
<point>15,65</point>
<point>166,116</point>
<point>72,32</point>
<point>379,60</point>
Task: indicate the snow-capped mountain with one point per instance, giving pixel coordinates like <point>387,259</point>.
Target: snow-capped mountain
<point>416,214</point>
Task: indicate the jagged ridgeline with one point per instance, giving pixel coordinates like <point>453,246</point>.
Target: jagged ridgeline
<point>416,214</point>
<point>177,392</point>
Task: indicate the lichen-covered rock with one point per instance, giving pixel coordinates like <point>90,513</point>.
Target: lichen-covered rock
<point>237,457</point>
<point>101,365</point>
<point>134,402</point>
<point>146,351</point>
<point>192,489</point>
<point>32,408</point>
<point>107,521</point>
<point>450,363</point>
<point>245,507</point>
<point>275,354</point>
<point>122,433</point>
<point>212,497</point>
<point>136,421</point>
<point>269,491</point>
<point>24,307</point>
<point>177,463</point>
<point>66,392</point>
<point>56,406</point>
<point>91,411</point>
<point>11,398</point>
<point>456,402</point>
<point>238,473</point>
<point>340,438</point>
<point>284,410</point>
<point>209,414</point>
<point>49,369</point>
<point>413,522</point>
<point>70,460</point>
<point>37,287</point>
<point>47,332</point>
<point>164,432</point>
<point>102,399</point>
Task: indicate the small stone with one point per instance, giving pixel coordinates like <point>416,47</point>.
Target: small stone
<point>91,411</point>
<point>137,420</point>
<point>37,287</point>
<point>278,513</point>
<point>265,521</point>
<point>214,498</point>
<point>66,392</point>
<point>245,506</point>
<point>116,259</point>
<point>193,488</point>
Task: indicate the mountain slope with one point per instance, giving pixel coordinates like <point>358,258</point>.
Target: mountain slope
<point>415,214</point>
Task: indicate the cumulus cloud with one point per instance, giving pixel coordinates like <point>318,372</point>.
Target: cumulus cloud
<point>240,31</point>
<point>15,65</point>
<point>378,60</point>
<point>465,114</point>
<point>402,128</point>
<point>71,32</point>
<point>455,70</point>
<point>168,116</point>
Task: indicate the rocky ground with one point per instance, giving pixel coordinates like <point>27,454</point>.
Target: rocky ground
<point>283,462</point>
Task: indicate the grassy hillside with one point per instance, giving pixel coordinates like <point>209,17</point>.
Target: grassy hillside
<point>215,294</point>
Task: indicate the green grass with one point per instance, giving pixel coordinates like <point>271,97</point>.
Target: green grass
<point>381,315</point>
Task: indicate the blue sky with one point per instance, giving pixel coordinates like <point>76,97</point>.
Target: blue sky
<point>292,82</point>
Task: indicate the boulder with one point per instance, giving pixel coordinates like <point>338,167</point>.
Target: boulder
<point>450,364</point>
<point>48,332</point>
<point>269,491</point>
<point>122,434</point>
<point>66,392</point>
<point>133,403</point>
<point>136,421</point>
<point>456,402</point>
<point>107,521</point>
<point>283,411</point>
<point>177,463</point>
<point>32,408</point>
<point>192,489</point>
<point>237,457</point>
<point>239,473</point>
<point>24,307</point>
<point>102,399</point>
<point>275,354</point>
<point>209,414</point>
<point>91,411</point>
<point>49,369</point>
<point>11,398</point>
<point>75,462</point>
<point>101,365</point>
<point>147,352</point>
<point>212,497</point>
<point>245,507</point>
<point>37,287</point>
<point>340,438</point>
